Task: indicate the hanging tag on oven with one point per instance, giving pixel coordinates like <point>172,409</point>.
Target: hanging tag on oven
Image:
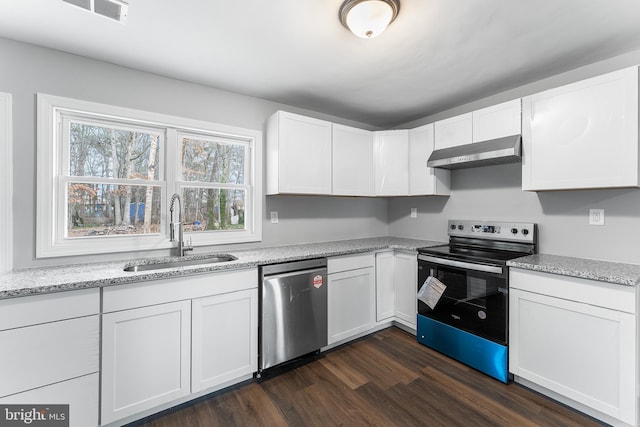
<point>431,291</point>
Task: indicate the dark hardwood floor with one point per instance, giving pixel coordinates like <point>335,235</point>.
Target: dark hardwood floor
<point>386,379</point>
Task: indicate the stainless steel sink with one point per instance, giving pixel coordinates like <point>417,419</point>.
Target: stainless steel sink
<point>203,260</point>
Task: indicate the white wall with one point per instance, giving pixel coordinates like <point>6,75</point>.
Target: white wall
<point>493,193</point>
<point>27,70</point>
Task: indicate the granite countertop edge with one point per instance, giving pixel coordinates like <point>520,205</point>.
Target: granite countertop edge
<point>43,280</point>
<point>603,271</point>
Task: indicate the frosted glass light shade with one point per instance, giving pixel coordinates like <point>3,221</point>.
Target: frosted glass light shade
<point>368,18</point>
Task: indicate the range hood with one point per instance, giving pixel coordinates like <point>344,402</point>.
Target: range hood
<point>492,152</point>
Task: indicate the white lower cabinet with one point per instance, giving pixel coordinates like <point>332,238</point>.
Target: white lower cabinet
<point>145,358</point>
<point>167,341</point>
<point>225,344</point>
<point>385,289</point>
<point>396,278</point>
<point>351,296</point>
<point>405,281</point>
<point>81,394</point>
<point>50,352</point>
<point>578,339</point>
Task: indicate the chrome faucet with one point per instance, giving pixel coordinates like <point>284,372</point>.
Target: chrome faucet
<point>181,248</point>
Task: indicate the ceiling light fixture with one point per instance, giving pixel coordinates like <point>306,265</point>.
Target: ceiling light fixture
<point>368,18</point>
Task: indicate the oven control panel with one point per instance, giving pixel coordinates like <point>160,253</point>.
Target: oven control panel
<point>498,230</point>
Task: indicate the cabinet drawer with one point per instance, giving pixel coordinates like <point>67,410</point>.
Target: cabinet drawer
<point>125,297</point>
<point>350,262</point>
<point>40,355</point>
<point>81,394</point>
<point>601,294</point>
<point>31,310</point>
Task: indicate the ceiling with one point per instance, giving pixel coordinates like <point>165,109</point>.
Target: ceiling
<point>436,55</point>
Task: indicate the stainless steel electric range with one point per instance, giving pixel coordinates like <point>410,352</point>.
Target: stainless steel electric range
<point>463,302</point>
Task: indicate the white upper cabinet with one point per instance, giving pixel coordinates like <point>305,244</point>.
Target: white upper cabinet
<point>454,131</point>
<point>391,158</point>
<point>422,179</point>
<point>582,135</point>
<point>298,154</point>
<point>488,123</point>
<point>497,121</point>
<point>352,161</point>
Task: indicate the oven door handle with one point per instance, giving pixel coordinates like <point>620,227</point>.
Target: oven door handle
<point>462,264</point>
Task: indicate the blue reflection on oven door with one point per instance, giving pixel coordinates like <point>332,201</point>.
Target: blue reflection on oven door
<point>479,353</point>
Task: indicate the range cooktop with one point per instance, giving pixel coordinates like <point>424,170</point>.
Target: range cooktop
<point>493,242</point>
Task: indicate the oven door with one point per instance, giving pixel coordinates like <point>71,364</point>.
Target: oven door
<point>475,296</point>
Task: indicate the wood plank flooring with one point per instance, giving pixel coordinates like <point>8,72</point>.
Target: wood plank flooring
<point>385,379</point>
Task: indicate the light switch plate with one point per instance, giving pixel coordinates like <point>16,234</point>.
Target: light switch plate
<point>596,216</point>
<point>414,212</point>
<point>274,217</point>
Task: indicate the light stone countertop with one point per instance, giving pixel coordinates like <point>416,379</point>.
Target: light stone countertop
<point>604,271</point>
<point>35,281</point>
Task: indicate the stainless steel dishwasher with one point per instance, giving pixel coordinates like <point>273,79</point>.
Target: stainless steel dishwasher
<point>293,310</point>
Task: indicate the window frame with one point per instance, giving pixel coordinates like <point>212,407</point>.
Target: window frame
<point>182,184</point>
<point>6,182</point>
<point>51,158</point>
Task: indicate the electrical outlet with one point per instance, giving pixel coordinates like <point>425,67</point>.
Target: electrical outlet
<point>596,216</point>
<point>414,212</point>
<point>274,217</point>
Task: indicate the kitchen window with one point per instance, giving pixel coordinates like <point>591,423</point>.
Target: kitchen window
<point>6,182</point>
<point>106,175</point>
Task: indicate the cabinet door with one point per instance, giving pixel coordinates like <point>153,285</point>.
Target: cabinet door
<point>583,135</point>
<point>392,163</point>
<point>225,338</point>
<point>454,131</point>
<point>405,280</point>
<point>145,358</point>
<point>298,155</point>
<point>424,180</point>
<point>581,351</point>
<point>385,291</point>
<point>352,161</point>
<point>351,303</point>
<point>497,121</point>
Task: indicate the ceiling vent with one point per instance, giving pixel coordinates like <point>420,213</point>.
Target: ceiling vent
<point>114,9</point>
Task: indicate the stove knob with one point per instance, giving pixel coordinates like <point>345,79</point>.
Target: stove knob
<point>461,227</point>
<point>453,226</point>
<point>525,231</point>
<point>514,231</point>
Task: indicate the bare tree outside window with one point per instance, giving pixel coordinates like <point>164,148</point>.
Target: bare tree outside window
<point>213,171</point>
<point>105,195</point>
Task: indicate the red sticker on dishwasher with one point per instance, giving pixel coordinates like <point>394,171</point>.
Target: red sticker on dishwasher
<point>317,281</point>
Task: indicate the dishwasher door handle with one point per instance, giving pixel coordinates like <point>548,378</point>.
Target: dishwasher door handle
<point>320,271</point>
